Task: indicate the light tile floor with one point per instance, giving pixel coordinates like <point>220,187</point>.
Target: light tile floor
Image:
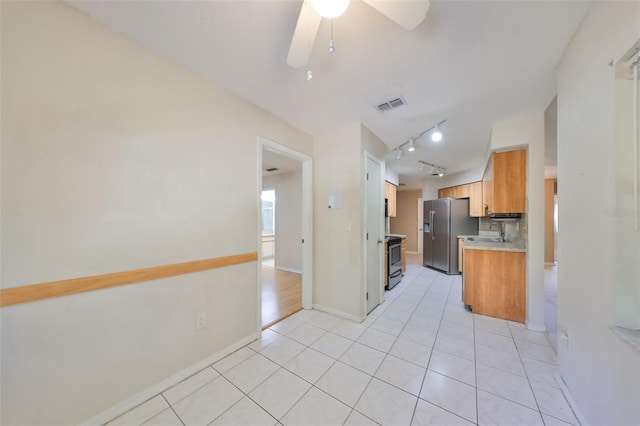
<point>418,359</point>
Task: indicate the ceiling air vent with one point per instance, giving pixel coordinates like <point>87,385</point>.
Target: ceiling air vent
<point>271,169</point>
<point>392,104</point>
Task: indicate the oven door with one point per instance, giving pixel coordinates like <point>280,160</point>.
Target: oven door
<point>395,254</point>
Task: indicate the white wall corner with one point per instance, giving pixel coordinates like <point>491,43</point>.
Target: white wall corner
<point>356,318</point>
<point>572,403</point>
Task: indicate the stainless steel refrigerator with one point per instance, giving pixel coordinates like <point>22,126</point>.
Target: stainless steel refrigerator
<point>444,220</point>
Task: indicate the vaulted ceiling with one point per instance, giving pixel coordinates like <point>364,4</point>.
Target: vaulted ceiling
<point>469,62</point>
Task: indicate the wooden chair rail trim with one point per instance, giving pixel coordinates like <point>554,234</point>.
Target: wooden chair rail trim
<point>31,293</point>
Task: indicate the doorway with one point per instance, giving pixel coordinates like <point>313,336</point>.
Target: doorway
<point>374,232</point>
<point>284,232</point>
<point>268,226</point>
<point>420,225</point>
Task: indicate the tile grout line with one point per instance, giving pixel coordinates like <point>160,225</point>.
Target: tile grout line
<point>533,392</point>
<point>172,409</point>
<point>451,378</point>
<point>426,370</point>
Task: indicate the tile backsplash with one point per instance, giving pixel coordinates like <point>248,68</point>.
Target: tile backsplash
<point>515,229</point>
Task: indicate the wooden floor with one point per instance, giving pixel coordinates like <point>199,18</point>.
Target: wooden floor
<point>281,294</point>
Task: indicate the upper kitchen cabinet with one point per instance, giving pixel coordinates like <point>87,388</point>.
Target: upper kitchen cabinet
<point>390,195</point>
<point>445,192</point>
<point>460,191</point>
<point>475,199</point>
<point>472,191</point>
<point>504,183</point>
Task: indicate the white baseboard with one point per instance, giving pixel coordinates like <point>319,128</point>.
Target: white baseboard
<point>338,313</point>
<point>572,402</point>
<point>534,326</point>
<point>284,268</point>
<point>143,396</point>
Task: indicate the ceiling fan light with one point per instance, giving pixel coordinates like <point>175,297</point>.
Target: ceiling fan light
<point>330,8</point>
<point>411,147</point>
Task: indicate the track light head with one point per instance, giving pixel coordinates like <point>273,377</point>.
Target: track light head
<point>398,153</point>
<point>411,146</point>
<point>436,135</point>
<point>420,165</point>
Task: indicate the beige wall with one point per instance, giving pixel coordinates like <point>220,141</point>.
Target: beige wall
<point>406,220</point>
<point>114,158</point>
<point>288,246</point>
<point>601,371</point>
<point>337,243</point>
<point>338,233</point>
<point>549,192</point>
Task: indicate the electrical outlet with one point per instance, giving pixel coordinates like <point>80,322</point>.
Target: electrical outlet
<point>201,320</point>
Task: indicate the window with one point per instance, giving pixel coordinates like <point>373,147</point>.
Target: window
<point>268,211</point>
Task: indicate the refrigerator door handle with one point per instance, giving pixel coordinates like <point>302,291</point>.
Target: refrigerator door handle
<point>433,224</point>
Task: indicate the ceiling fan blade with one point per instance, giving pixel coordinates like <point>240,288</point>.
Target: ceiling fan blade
<point>406,13</point>
<point>304,36</point>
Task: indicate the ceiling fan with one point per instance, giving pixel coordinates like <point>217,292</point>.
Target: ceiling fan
<point>406,13</point>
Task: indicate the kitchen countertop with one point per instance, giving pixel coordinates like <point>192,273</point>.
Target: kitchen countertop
<point>395,236</point>
<point>516,245</point>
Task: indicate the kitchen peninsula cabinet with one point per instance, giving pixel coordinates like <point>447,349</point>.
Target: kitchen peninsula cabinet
<point>495,283</point>
<point>504,183</point>
<point>390,195</point>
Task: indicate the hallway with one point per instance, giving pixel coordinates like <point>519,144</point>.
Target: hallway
<point>420,358</point>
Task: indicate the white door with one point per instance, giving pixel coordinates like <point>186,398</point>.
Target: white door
<point>374,235</point>
<point>420,224</point>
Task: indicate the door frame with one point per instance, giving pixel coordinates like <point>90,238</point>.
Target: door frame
<point>420,225</point>
<point>307,220</point>
<point>368,155</point>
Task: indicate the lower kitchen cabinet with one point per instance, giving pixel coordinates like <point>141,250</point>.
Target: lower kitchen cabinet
<point>403,254</point>
<point>495,283</point>
<point>460,247</point>
<point>386,263</point>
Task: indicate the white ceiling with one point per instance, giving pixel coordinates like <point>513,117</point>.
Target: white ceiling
<point>470,62</point>
<point>281,162</point>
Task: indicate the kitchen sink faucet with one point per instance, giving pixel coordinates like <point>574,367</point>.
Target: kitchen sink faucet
<point>501,226</point>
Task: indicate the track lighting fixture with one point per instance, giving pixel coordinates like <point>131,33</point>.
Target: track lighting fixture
<point>435,169</point>
<point>436,136</point>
